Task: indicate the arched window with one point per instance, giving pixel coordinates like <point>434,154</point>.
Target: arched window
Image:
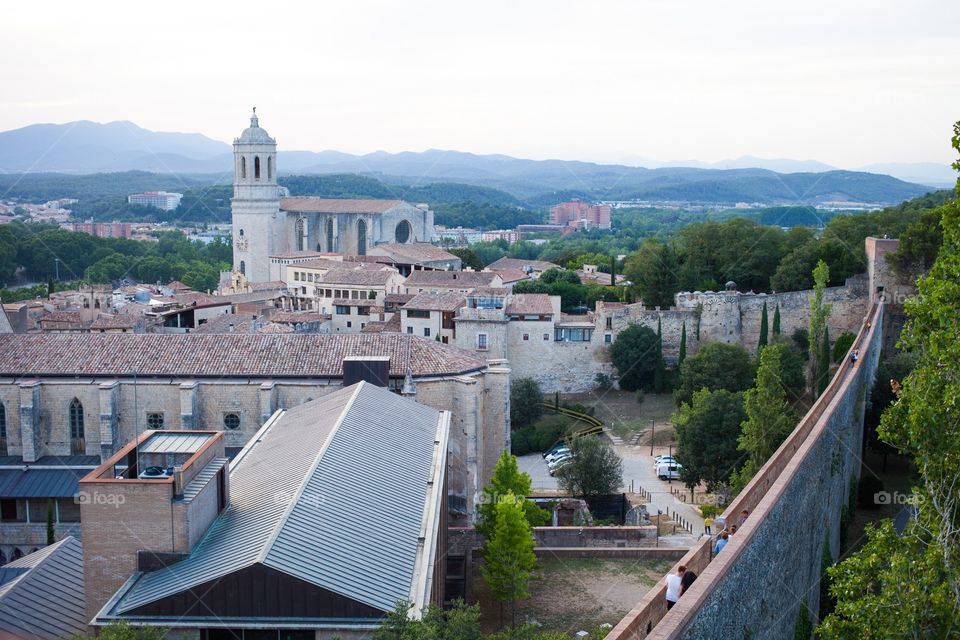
<point>361,238</point>
<point>77,444</point>
<point>243,167</point>
<point>17,554</point>
<point>330,235</point>
<point>403,232</point>
<point>300,230</point>
<point>256,167</point>
<point>241,233</point>
<point>3,430</point>
<point>270,168</point>
<point>243,267</point>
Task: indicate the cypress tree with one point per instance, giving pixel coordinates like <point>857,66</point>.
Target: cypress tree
<point>683,344</point>
<point>776,321</point>
<point>613,271</point>
<point>824,362</point>
<point>763,329</point>
<point>658,373</point>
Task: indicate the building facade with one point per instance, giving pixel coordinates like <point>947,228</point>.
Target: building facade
<point>266,223</point>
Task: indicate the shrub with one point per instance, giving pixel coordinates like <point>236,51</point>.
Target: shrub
<point>603,381</point>
<point>525,402</point>
<point>842,345</point>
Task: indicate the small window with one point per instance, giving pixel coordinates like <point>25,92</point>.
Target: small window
<point>409,329</point>
<point>342,310</point>
<point>526,336</point>
<point>155,421</point>
<point>256,168</point>
<point>607,338</point>
<point>426,332</point>
<point>481,342</point>
<point>609,323</point>
<point>77,442</point>
<point>349,324</point>
<point>546,337</point>
<point>231,421</point>
<point>243,267</point>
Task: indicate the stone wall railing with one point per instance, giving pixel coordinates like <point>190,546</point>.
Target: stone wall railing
<point>755,586</point>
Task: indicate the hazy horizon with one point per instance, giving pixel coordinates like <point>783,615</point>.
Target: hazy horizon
<point>848,85</point>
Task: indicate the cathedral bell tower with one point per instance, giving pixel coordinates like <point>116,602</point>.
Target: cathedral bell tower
<point>258,223</point>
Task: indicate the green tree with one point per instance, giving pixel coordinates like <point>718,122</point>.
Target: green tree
<point>819,312</point>
<point>526,402</point>
<point>776,321</point>
<point>715,366</point>
<point>508,479</point>
<point>634,354</point>
<point>770,419</point>
<point>763,329</point>
<point>459,622</point>
<point>683,344</point>
<point>508,558</point>
<point>594,469</point>
<point>653,271</point>
<point>842,345</point>
<point>707,435</point>
<point>122,630</point>
<point>823,372</point>
<point>659,371</point>
<point>51,288</point>
<point>895,586</point>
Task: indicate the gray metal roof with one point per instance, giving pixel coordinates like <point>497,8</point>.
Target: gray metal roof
<point>333,493</point>
<point>41,594</point>
<point>40,483</point>
<point>175,442</point>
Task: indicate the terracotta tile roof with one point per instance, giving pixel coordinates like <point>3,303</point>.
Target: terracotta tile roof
<point>223,356</point>
<point>516,263</point>
<point>295,317</point>
<point>176,285</point>
<point>226,323</point>
<point>431,301</point>
<point>368,259</point>
<point>414,253</point>
<point>512,275</point>
<point>390,326</point>
<point>62,316</point>
<point>398,298</point>
<point>335,205</point>
<point>351,302</point>
<point>272,285</point>
<point>357,276</point>
<point>489,292</point>
<point>322,263</point>
<point>466,279</point>
<point>529,304</point>
<point>115,322</point>
<point>598,277</point>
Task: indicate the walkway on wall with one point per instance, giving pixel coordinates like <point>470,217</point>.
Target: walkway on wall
<point>650,617</point>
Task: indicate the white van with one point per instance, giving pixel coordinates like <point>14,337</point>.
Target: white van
<point>669,471</point>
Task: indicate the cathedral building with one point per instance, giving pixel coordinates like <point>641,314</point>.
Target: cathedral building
<point>268,223</point>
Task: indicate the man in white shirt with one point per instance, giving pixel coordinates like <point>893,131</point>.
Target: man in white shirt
<point>673,586</point>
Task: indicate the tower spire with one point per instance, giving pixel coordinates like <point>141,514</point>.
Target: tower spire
<point>254,122</point>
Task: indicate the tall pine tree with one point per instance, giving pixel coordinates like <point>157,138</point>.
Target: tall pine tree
<point>683,344</point>
<point>763,329</point>
<point>823,373</point>
<point>776,321</point>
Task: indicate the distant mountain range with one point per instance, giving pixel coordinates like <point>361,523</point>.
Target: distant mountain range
<point>89,147</point>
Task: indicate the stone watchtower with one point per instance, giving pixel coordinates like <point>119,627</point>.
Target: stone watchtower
<point>258,223</point>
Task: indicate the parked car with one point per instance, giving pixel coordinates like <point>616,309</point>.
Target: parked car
<point>560,465</point>
<point>558,453</point>
<point>664,460</point>
<point>553,464</point>
<point>555,448</point>
<point>669,471</point>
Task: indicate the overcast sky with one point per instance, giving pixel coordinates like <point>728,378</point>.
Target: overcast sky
<point>847,82</point>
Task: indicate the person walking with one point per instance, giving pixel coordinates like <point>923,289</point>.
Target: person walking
<point>706,526</point>
<point>686,581</point>
<point>674,585</point>
<point>721,542</point>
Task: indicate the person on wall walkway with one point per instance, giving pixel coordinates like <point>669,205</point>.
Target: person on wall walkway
<point>674,585</point>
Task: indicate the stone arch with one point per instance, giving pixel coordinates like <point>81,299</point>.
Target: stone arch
<point>361,237</point>
<point>243,267</point>
<point>243,167</point>
<point>404,232</point>
<point>17,554</point>
<point>256,167</point>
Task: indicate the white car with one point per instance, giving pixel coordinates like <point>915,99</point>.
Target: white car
<point>669,471</point>
<point>664,460</point>
<point>557,453</point>
<point>559,460</point>
<point>560,465</point>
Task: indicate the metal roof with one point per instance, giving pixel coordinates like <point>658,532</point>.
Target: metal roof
<point>175,442</point>
<point>332,492</point>
<point>41,594</point>
<point>40,483</point>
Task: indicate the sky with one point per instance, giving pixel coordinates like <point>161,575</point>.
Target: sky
<point>846,82</point>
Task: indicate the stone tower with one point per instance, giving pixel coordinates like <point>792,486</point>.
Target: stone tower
<point>258,223</point>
